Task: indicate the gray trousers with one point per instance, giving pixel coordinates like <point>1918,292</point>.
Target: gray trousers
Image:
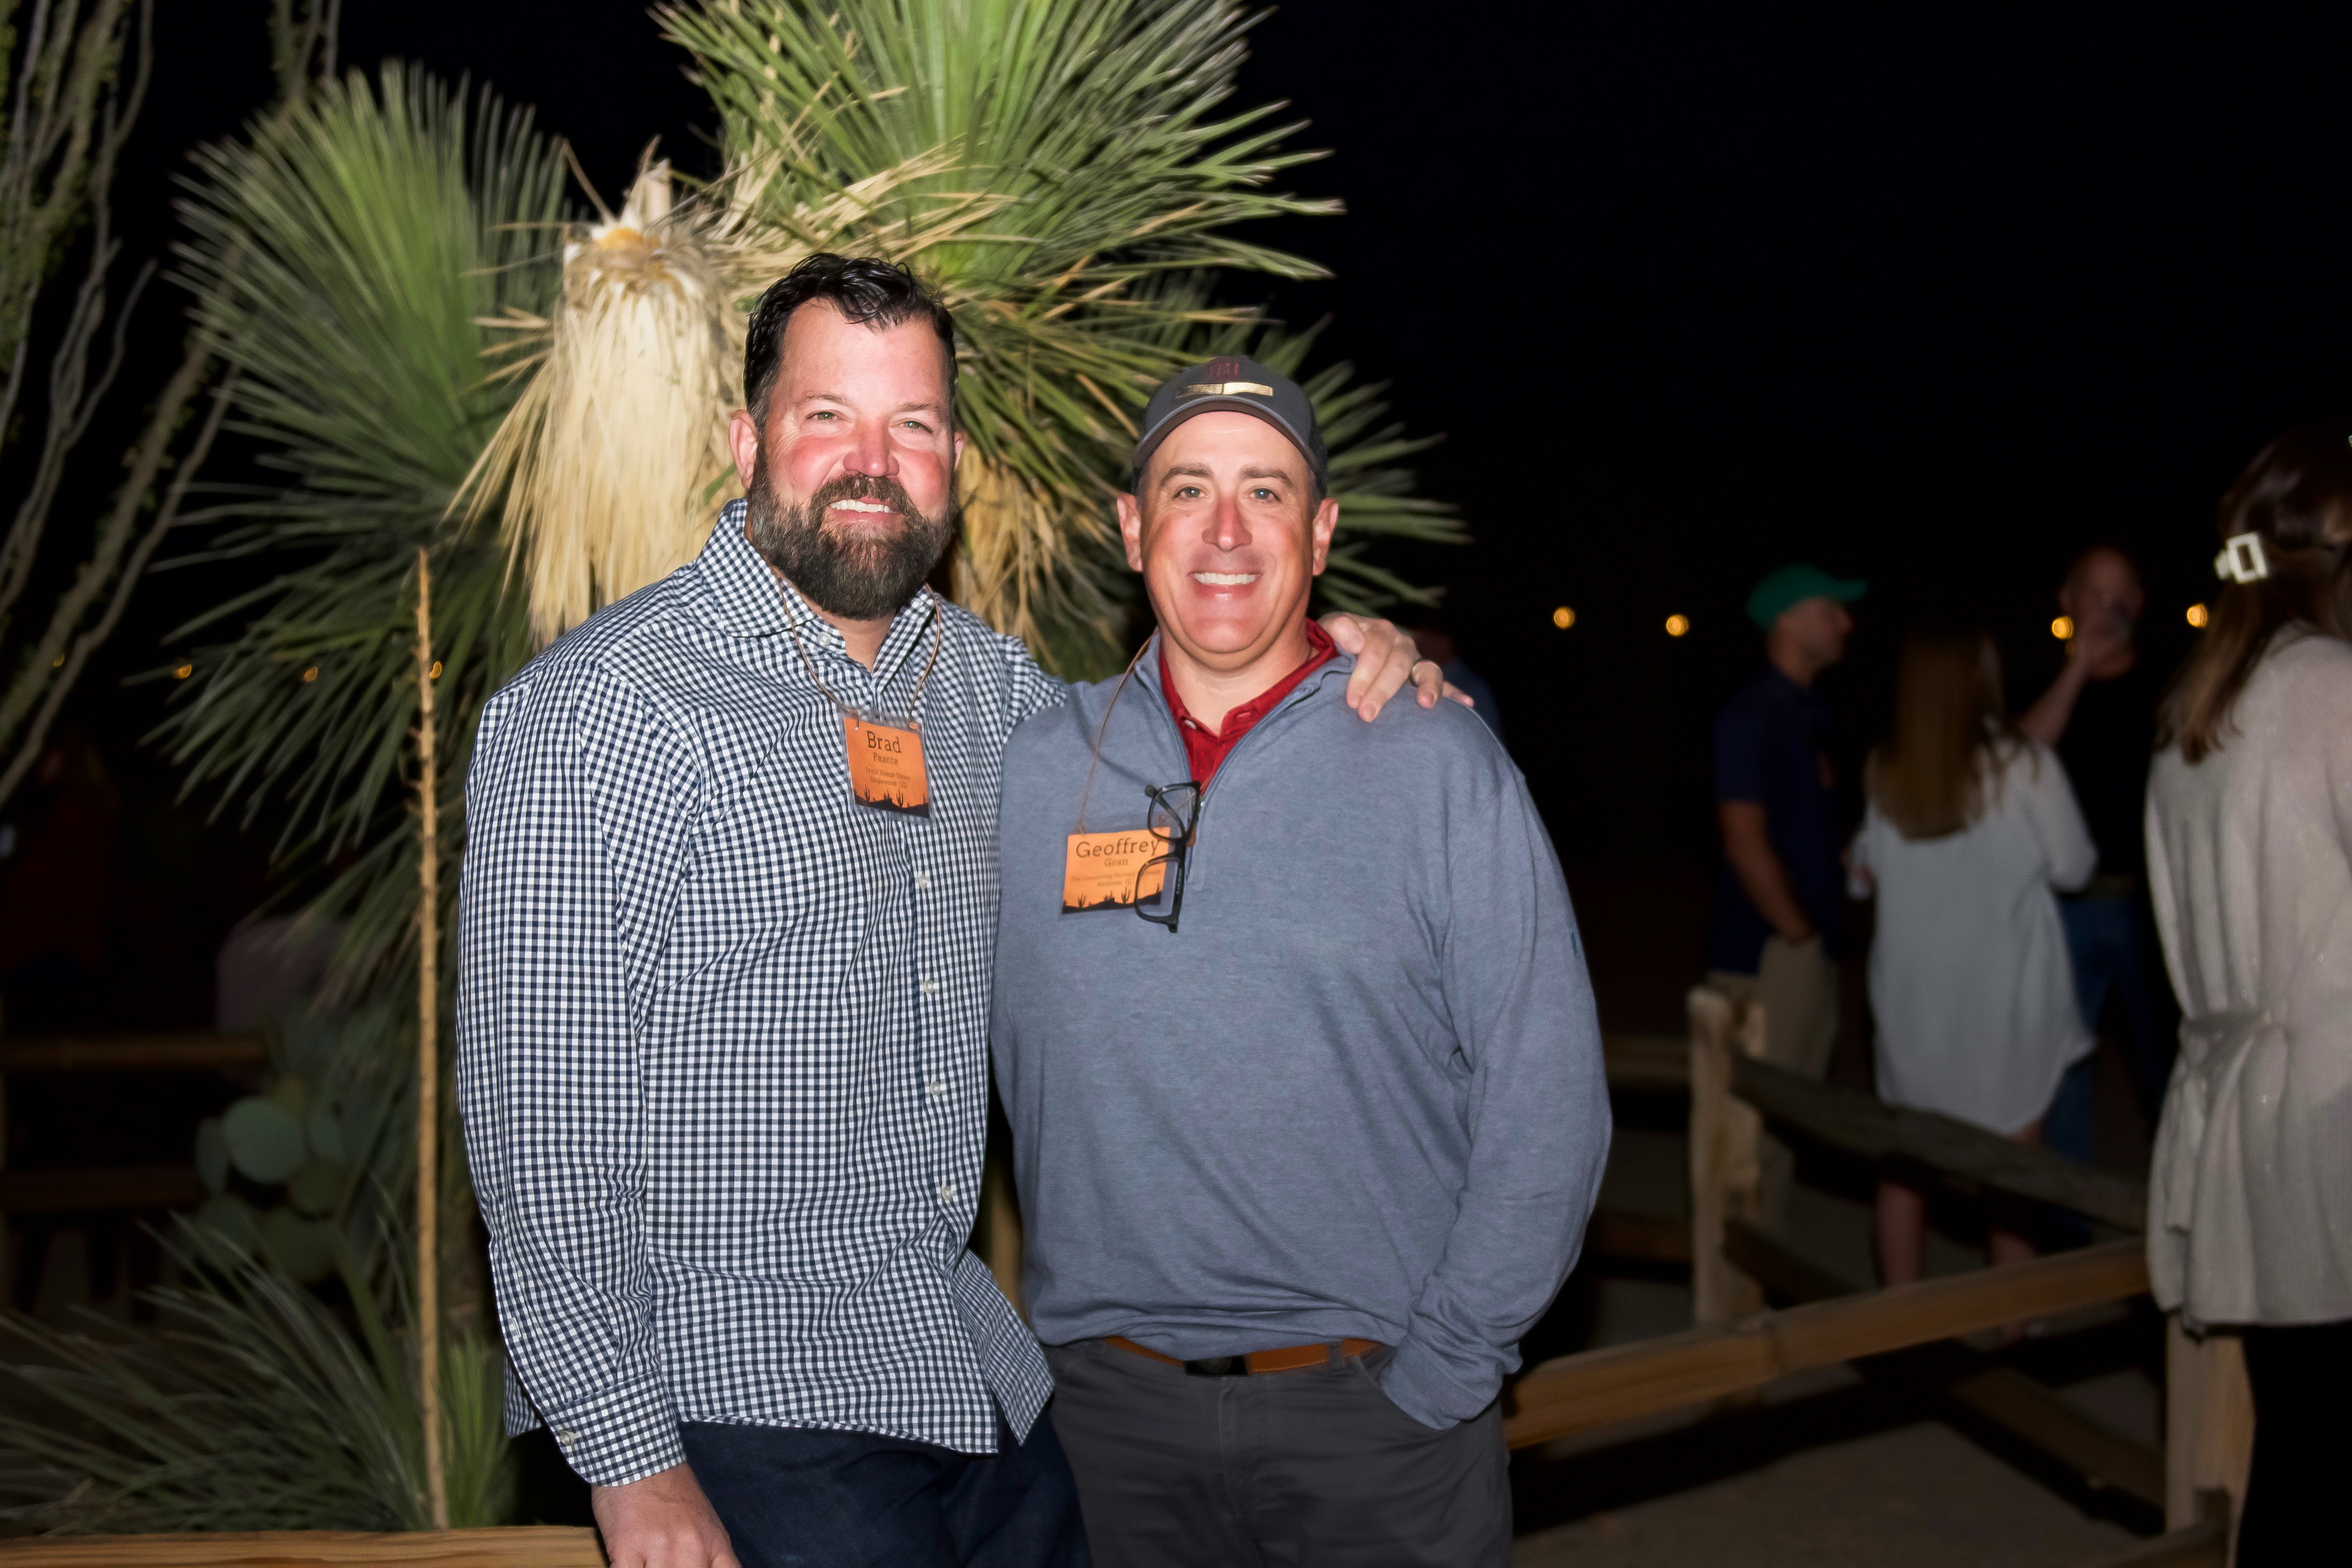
<point>1312,1468</point>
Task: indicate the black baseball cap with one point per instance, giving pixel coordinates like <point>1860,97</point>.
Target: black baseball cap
<point>1244,386</point>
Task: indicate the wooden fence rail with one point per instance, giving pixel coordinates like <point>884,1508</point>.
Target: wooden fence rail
<point>530,1546</point>
<point>1602,1387</point>
<point>132,1053</point>
<point>1864,1125</point>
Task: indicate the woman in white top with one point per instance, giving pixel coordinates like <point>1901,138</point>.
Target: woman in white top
<point>1969,828</point>
<point>2249,865</point>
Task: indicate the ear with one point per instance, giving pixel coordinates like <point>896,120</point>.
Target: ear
<point>1130,530</point>
<point>957,460</point>
<point>1327,518</point>
<point>743,442</point>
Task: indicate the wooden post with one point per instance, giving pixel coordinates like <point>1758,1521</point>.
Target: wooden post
<point>1001,1219</point>
<point>2209,1424</point>
<point>428,1059</point>
<point>1726,1137</point>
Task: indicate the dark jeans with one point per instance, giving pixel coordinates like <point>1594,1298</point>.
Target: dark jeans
<point>789,1495</point>
<point>2107,940</point>
<point>2302,1383</point>
<point>1312,1468</point>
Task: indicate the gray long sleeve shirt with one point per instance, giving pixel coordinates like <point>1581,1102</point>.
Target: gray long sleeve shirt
<point>1358,1094</point>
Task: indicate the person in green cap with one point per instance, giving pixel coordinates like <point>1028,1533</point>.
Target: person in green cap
<point>1773,933</point>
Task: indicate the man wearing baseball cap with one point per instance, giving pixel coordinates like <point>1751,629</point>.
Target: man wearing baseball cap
<point>1774,929</point>
<point>1294,1029</point>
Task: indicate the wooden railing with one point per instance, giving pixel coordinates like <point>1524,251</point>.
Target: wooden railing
<point>1600,1388</point>
<point>528,1546</point>
<point>129,1189</point>
<point>2198,1478</point>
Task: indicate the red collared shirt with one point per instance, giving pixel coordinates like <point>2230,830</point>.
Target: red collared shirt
<point>1205,748</point>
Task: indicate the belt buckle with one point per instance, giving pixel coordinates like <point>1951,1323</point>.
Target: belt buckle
<point>1218,1367</point>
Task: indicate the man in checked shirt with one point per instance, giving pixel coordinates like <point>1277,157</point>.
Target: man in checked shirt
<point>726,933</point>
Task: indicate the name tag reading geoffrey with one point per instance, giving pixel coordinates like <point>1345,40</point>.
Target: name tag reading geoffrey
<point>1107,871</point>
<point>885,767</point>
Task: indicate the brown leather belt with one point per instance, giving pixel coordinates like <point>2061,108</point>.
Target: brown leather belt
<point>1289,1358</point>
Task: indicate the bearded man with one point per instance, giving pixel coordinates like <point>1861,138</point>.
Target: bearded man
<point>726,933</point>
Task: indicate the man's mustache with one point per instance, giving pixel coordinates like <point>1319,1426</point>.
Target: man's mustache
<point>879,488</point>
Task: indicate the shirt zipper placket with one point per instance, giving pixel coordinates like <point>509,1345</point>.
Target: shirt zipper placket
<point>1201,815</point>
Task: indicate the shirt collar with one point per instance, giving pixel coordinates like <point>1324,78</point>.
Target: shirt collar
<point>749,598</point>
<point>1320,651</point>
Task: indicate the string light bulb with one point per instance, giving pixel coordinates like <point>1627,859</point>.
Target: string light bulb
<point>2199,616</point>
<point>1677,625</point>
<point>2063,629</point>
<point>181,671</point>
<point>1564,617</point>
<point>311,674</point>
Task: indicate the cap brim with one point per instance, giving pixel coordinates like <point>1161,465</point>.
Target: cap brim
<point>1149,441</point>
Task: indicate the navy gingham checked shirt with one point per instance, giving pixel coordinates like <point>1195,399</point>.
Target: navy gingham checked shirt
<point>722,1032</point>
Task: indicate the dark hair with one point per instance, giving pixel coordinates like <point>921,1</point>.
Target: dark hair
<point>868,291</point>
<point>2296,497</point>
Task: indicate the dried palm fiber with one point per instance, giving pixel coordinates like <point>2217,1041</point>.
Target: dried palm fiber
<point>613,455</point>
<point>1021,558</point>
<point>612,460</point>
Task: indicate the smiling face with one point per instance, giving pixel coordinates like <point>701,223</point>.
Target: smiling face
<point>851,483</point>
<point>1230,537</point>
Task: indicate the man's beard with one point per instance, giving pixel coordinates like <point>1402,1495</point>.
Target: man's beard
<point>860,579</point>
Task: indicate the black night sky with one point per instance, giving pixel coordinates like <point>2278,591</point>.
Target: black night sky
<point>1934,295</point>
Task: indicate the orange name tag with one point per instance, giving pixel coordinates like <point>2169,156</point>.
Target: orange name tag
<point>885,767</point>
<point>1106,870</point>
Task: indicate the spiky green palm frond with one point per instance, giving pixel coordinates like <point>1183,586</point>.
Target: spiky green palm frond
<point>249,1406</point>
<point>1102,125</point>
<point>345,263</point>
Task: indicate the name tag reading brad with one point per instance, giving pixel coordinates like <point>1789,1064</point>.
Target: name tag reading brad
<point>885,767</point>
<point>1108,870</point>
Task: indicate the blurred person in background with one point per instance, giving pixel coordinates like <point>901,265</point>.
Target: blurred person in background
<point>1774,931</point>
<point>2249,863</point>
<point>1437,643</point>
<point>1970,830</point>
<point>2099,716</point>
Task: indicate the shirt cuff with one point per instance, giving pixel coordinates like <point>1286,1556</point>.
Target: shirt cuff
<point>621,1436</point>
<point>1426,1389</point>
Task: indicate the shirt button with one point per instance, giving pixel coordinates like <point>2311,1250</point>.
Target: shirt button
<point>923,880</point>
<point>947,1192</point>
<point>567,1437</point>
<point>930,986</point>
<point>936,1089</point>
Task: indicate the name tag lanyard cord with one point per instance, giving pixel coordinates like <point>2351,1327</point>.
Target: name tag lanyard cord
<point>914,704</point>
<point>885,762</point>
<point>1093,758</point>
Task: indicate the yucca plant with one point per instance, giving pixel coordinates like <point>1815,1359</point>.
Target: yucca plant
<point>1097,132</point>
<point>346,261</point>
<point>252,1405</point>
